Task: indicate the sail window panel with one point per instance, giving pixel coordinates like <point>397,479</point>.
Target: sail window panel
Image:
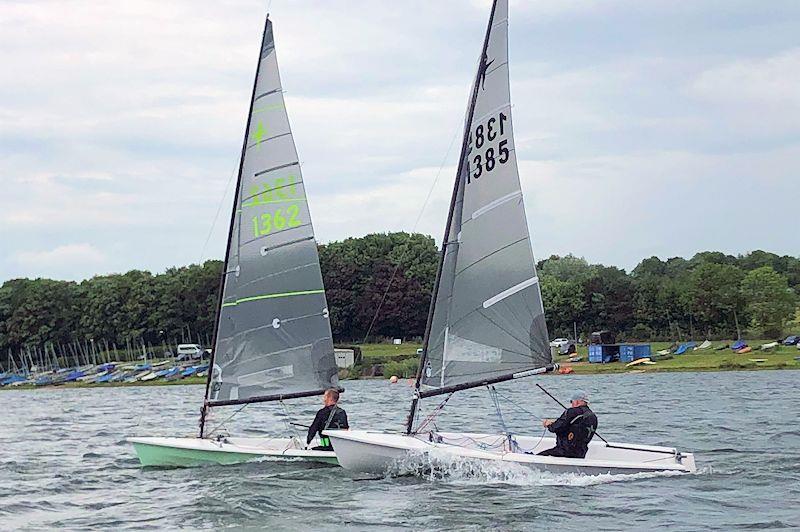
<point>292,358</point>
<point>478,348</point>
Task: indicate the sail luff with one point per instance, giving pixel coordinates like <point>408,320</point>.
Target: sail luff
<point>461,162</point>
<point>231,225</point>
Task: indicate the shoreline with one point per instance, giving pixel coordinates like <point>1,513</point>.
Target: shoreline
<point>581,368</point>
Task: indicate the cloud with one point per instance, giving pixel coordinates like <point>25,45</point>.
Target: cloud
<point>69,260</point>
<point>122,122</point>
<point>757,96</point>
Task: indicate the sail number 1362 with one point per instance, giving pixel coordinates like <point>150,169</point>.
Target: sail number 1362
<point>488,157</point>
<point>278,220</point>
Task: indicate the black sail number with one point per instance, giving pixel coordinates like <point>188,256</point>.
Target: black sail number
<point>502,149</point>
<point>487,159</point>
<point>478,168</point>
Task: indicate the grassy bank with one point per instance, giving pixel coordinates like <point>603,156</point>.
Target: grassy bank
<point>781,357</point>
<point>402,360</point>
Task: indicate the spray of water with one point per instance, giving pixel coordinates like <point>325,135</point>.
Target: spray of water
<point>442,466</point>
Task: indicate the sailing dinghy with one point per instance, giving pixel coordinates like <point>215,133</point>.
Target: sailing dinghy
<point>486,323</point>
<point>272,336</point>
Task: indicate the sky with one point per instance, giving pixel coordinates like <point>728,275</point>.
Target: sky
<point>642,128</point>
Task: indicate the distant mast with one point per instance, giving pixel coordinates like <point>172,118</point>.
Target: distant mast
<point>486,321</point>
<point>272,337</point>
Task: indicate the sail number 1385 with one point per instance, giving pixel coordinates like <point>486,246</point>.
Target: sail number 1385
<point>488,157</point>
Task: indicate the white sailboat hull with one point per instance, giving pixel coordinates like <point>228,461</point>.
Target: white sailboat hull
<point>187,452</point>
<point>383,453</point>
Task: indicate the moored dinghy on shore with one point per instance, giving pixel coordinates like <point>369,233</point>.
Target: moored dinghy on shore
<point>486,322</point>
<point>273,340</point>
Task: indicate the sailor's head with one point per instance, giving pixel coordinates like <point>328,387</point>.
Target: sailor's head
<point>330,397</point>
<point>578,398</point>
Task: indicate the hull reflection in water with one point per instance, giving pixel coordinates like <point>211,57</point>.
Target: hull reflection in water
<point>382,453</point>
<point>187,452</point>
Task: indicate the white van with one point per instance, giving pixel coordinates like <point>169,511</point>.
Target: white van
<point>189,351</point>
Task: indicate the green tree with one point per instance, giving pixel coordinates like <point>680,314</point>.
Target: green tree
<point>564,304</point>
<point>770,302</point>
<point>715,296</point>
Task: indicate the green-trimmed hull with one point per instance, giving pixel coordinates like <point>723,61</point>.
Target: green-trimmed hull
<point>158,455</point>
<point>188,452</point>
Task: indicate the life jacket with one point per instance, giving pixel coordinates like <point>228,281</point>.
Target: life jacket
<point>324,441</point>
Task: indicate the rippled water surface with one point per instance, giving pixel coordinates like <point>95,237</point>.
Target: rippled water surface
<point>64,461</point>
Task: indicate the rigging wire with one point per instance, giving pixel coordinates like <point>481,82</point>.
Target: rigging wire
<point>289,426</point>
<point>434,413</point>
<point>222,424</point>
<point>413,230</point>
<point>219,209</point>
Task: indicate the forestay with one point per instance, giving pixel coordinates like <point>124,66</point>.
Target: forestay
<point>488,318</point>
<point>273,334</point>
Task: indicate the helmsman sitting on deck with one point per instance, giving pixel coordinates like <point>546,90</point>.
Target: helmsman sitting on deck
<point>574,429</point>
<point>329,417</point>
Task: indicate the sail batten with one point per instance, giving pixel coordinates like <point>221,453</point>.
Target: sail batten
<point>487,318</point>
<point>273,339</point>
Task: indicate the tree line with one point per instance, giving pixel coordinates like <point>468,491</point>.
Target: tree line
<point>379,286</point>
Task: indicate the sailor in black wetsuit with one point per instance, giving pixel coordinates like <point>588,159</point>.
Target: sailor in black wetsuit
<point>574,429</point>
<point>329,417</point>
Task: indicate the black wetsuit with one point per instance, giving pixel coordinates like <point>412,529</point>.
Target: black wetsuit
<point>574,430</point>
<point>330,417</point>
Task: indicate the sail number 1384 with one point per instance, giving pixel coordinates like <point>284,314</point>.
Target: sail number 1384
<point>488,157</point>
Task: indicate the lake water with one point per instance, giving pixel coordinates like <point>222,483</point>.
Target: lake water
<point>64,461</point>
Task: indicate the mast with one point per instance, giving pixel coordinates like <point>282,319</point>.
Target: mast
<point>462,161</point>
<point>224,272</point>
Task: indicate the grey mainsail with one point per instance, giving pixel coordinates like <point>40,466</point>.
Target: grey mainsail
<point>487,316</point>
<point>273,337</point>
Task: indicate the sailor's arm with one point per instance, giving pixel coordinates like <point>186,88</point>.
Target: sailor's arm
<point>343,423</point>
<point>559,424</point>
<point>314,428</point>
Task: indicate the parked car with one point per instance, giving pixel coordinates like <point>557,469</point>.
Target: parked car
<point>792,340</point>
<point>567,349</point>
<point>189,352</point>
<point>558,342</point>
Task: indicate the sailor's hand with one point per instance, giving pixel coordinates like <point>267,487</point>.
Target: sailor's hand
<point>547,422</point>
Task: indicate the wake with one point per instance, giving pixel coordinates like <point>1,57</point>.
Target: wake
<point>449,468</point>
